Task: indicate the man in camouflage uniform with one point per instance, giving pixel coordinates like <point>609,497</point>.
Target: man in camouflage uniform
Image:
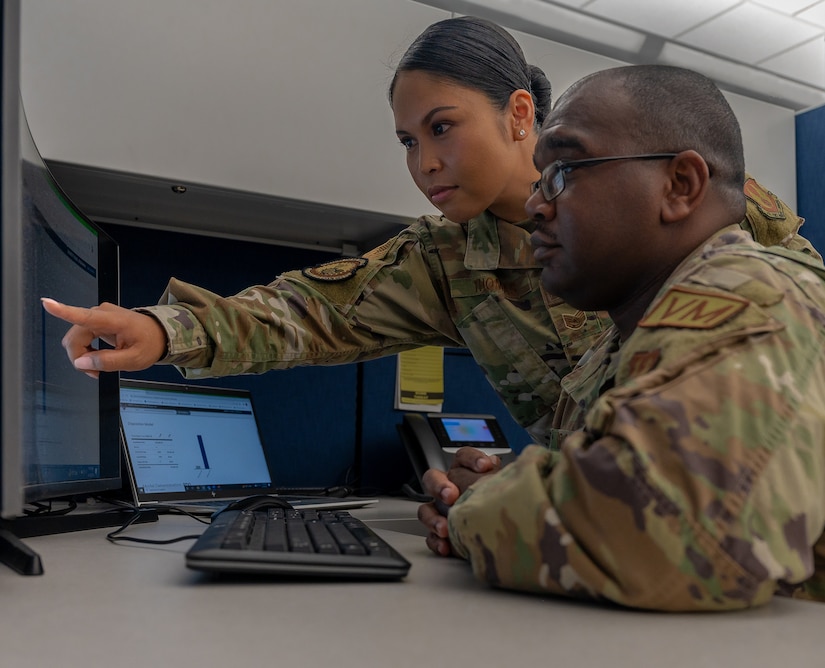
<point>691,471</point>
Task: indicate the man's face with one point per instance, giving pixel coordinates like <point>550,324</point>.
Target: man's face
<point>597,239</point>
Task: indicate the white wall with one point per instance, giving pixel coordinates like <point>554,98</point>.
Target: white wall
<point>280,97</point>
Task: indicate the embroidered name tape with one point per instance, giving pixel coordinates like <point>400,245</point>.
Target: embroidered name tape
<point>336,270</point>
<point>693,309</point>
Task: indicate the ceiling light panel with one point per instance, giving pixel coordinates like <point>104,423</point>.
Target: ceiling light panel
<point>660,18</point>
<point>750,33</point>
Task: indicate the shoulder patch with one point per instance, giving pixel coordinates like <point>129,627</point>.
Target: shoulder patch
<point>336,270</point>
<point>764,200</point>
<point>693,309</point>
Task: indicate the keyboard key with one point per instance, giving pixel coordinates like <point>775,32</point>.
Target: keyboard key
<point>276,536</point>
<point>322,538</point>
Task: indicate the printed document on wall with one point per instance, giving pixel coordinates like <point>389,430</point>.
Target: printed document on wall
<point>419,381</point>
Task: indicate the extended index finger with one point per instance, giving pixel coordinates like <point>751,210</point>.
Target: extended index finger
<point>76,315</point>
<point>87,325</point>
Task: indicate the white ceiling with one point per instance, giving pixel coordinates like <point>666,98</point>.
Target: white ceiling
<point>769,49</point>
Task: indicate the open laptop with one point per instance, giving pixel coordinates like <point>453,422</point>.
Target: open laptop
<point>199,448</point>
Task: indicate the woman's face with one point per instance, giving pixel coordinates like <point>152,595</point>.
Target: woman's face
<point>463,153</point>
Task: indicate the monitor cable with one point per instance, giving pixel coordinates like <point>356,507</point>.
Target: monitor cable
<point>115,537</point>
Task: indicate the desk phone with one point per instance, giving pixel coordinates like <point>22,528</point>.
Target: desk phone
<point>431,439</point>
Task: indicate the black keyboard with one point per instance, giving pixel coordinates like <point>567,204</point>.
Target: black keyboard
<point>282,541</point>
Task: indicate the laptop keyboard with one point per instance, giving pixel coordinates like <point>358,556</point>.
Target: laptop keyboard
<point>283,541</point>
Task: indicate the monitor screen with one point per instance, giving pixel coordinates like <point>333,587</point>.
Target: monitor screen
<point>70,421</point>
<point>462,430</point>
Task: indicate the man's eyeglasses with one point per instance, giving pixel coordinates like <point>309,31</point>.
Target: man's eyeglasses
<point>552,176</point>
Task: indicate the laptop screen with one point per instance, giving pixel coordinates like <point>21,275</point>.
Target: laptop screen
<point>189,443</point>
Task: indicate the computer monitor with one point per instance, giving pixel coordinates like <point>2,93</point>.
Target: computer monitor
<point>60,427</point>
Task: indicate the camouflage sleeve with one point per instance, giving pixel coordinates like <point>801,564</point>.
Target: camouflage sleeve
<point>698,485</point>
<point>771,221</point>
<point>338,312</point>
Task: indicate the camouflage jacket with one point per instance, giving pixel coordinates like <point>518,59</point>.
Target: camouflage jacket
<point>437,283</point>
<point>692,474</point>
<point>473,285</point>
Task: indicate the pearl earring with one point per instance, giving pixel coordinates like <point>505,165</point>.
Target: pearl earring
<point>521,132</point>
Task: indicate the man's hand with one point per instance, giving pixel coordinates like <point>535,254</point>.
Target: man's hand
<point>138,339</point>
<point>468,466</point>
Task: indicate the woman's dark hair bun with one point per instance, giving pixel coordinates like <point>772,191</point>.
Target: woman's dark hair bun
<point>542,93</point>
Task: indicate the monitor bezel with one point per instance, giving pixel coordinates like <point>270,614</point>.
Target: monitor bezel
<point>11,327</point>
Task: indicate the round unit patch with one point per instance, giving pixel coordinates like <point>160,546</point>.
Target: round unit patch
<point>336,270</point>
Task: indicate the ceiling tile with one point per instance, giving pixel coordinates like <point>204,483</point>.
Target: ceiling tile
<point>815,14</point>
<point>750,33</point>
<point>660,18</point>
<point>804,63</point>
<point>785,6</point>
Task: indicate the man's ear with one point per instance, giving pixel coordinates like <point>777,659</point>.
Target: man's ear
<point>523,113</point>
<point>689,180</point>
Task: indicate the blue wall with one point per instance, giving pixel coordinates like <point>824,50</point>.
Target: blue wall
<point>322,426</point>
<point>810,174</point>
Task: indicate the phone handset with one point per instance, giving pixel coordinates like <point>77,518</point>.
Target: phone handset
<point>422,446</point>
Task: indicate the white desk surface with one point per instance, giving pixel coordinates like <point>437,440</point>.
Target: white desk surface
<point>126,605</point>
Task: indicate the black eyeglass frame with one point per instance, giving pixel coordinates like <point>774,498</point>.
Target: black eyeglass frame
<point>553,174</point>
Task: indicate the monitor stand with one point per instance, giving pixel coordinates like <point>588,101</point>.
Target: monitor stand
<point>18,556</point>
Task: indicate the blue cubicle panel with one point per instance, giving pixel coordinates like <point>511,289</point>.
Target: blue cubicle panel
<point>810,167</point>
<point>307,414</point>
